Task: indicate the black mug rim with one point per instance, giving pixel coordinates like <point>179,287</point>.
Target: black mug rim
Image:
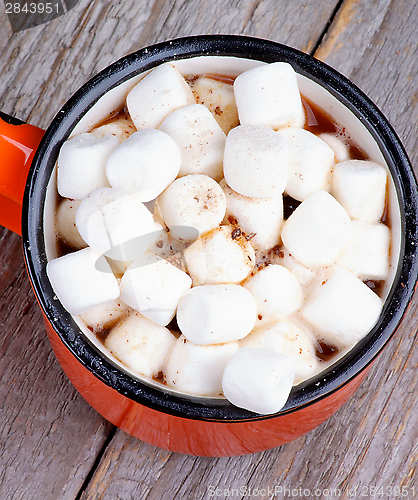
<point>211,409</point>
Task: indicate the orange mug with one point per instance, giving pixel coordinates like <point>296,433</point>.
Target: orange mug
<point>180,422</point>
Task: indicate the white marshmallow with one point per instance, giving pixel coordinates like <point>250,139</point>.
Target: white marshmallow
<point>219,98</point>
<point>112,221</point>
<point>342,308</point>
<point>82,164</point>
<point>317,230</point>
<point>200,139</point>
<point>338,145</point>
<point>269,96</point>
<point>262,218</point>
<point>198,369</point>
<point>164,245</point>
<point>140,344</point>
<point>258,380</point>
<point>256,161</point>
<point>367,252</point>
<point>154,287</point>
<point>360,187</point>
<point>214,314</point>
<point>194,201</point>
<point>118,266</point>
<point>159,93</point>
<point>310,162</point>
<point>66,225</point>
<point>105,315</point>
<point>288,339</point>
<point>146,163</point>
<point>304,275</point>
<point>276,291</point>
<point>77,282</point>
<point>219,257</point>
<point>122,128</point>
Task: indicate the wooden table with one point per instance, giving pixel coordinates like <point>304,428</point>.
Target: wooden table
<point>53,445</point>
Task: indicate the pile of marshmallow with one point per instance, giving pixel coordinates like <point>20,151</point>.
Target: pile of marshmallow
<point>172,212</point>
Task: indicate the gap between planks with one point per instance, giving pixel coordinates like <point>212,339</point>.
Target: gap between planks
<point>327,26</point>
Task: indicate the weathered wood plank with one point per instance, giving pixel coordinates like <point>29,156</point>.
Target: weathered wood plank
<point>351,33</point>
<point>266,19</point>
<point>48,433</point>
<point>384,36</point>
<point>42,67</point>
<point>385,443</point>
<point>50,437</point>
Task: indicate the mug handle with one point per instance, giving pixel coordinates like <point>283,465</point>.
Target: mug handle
<point>18,143</point>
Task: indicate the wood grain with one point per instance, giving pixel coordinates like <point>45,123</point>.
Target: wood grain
<point>50,438</point>
<point>380,59</point>
<point>262,18</point>
<point>351,34</point>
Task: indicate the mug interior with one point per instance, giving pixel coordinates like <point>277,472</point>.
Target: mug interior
<point>342,101</point>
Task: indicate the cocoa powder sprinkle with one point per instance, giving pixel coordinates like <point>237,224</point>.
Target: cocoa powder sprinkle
<point>236,233</point>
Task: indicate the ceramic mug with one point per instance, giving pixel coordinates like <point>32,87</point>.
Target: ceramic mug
<point>151,412</point>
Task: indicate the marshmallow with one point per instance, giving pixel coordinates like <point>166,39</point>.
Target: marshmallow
<point>317,230</point>
<point>342,308</point>
<point>122,128</point>
<point>160,92</point>
<point>112,221</point>
<point>77,282</point>
<point>146,163</point>
<point>164,245</point>
<point>200,139</point>
<point>262,218</point>
<point>338,145</point>
<point>256,161</point>
<point>118,266</point>
<point>220,256</point>
<point>214,314</point>
<point>105,315</point>
<point>367,252</point>
<point>269,96</point>
<point>304,275</point>
<point>289,339</point>
<point>140,344</point>
<point>276,291</point>
<point>66,226</point>
<point>194,201</point>
<point>258,380</point>
<point>310,162</point>
<point>154,287</point>
<point>219,98</point>
<point>82,164</point>
<point>360,187</point>
<point>198,369</point>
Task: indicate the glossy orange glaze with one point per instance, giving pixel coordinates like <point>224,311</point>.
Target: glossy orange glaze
<point>18,144</point>
<point>189,436</point>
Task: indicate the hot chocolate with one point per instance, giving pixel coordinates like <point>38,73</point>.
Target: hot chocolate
<point>289,237</point>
